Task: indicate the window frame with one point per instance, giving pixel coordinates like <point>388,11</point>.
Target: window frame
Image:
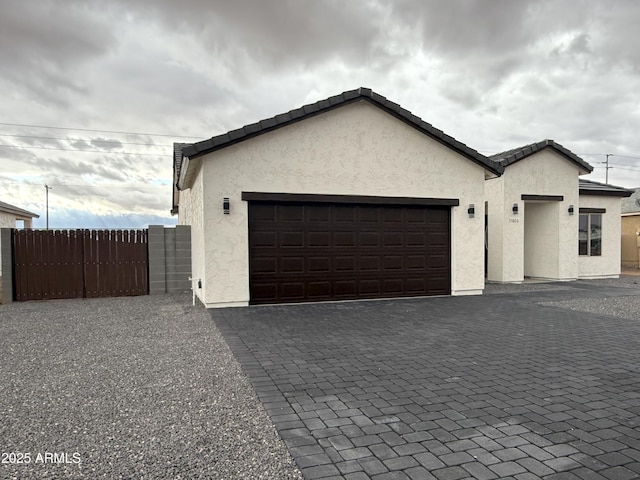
<point>593,245</point>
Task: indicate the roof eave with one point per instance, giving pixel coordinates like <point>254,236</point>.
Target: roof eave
<point>247,132</point>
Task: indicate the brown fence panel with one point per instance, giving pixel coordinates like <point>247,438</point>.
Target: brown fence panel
<point>116,263</point>
<point>47,264</point>
<point>80,263</point>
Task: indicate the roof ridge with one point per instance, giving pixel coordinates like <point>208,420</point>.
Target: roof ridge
<point>514,155</point>
<point>362,93</point>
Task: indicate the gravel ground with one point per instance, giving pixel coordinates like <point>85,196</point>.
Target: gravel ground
<point>140,387</point>
<point>627,306</point>
<point>625,281</point>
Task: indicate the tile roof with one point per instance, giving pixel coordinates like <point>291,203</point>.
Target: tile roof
<point>345,98</point>
<point>589,187</point>
<point>177,163</point>
<point>631,204</point>
<point>12,209</point>
<point>515,155</point>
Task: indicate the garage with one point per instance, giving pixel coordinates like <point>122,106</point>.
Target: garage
<point>314,248</point>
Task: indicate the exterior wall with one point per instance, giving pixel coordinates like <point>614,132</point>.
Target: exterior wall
<point>607,264</point>
<point>169,259</point>
<point>7,220</point>
<point>541,259</point>
<point>494,191</point>
<point>544,173</point>
<point>354,150</point>
<point>191,212</point>
<point>631,240</point>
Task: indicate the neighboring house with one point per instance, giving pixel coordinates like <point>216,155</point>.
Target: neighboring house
<point>354,197</point>
<point>631,230</point>
<point>12,217</point>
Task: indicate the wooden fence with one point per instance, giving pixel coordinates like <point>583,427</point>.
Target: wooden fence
<point>51,264</point>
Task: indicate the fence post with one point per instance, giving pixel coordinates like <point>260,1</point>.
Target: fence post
<point>157,262</point>
<point>6,257</point>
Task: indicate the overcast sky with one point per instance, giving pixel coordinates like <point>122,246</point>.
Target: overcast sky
<point>495,74</point>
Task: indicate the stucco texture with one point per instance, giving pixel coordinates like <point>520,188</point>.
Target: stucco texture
<point>541,239</point>
<point>607,264</point>
<point>356,149</point>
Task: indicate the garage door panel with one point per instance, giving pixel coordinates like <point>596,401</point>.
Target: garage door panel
<point>319,239</point>
<point>319,289</point>
<point>321,214</point>
<point>291,264</point>
<point>369,239</point>
<point>415,262</point>
<point>369,287</point>
<point>311,252</point>
<point>290,213</point>
<point>265,265</point>
<point>344,263</point>
<point>345,289</point>
<point>392,262</point>
<point>416,239</point>
<point>290,291</point>
<point>291,239</point>
<point>393,286</point>
<point>344,239</point>
<point>318,264</point>
<point>369,263</point>
<point>392,239</point>
<point>368,214</point>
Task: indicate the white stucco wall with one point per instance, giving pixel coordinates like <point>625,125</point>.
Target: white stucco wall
<point>541,240</point>
<point>607,264</point>
<point>544,173</point>
<point>190,212</point>
<point>7,220</point>
<point>354,150</point>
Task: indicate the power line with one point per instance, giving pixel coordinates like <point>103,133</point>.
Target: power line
<point>39,185</point>
<point>116,142</point>
<point>99,131</point>
<point>88,151</point>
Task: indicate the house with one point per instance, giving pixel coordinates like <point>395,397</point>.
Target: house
<point>536,209</point>
<point>631,230</point>
<point>12,217</point>
<point>354,197</point>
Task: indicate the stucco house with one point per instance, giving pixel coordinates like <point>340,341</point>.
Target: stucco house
<point>354,197</point>
<point>12,217</point>
<point>536,209</point>
<point>631,230</point>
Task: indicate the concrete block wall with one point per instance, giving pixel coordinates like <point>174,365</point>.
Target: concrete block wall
<point>6,262</point>
<point>169,259</point>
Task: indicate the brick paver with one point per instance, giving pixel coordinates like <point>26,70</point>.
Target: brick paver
<point>497,386</point>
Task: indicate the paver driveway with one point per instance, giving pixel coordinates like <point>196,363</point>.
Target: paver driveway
<point>499,386</point>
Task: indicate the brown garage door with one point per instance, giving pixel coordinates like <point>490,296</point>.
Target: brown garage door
<point>301,252</point>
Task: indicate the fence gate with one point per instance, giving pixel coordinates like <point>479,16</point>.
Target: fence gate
<point>52,264</point>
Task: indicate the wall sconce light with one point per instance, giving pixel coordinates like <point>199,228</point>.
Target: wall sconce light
<point>570,210</point>
<point>514,209</point>
<point>471,210</point>
<point>225,205</point>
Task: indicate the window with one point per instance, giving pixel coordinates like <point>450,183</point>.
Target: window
<point>590,234</point>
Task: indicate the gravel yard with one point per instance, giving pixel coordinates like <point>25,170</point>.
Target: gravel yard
<point>141,387</point>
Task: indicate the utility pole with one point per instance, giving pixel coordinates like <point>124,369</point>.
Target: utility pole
<point>47,188</point>
<point>606,168</point>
